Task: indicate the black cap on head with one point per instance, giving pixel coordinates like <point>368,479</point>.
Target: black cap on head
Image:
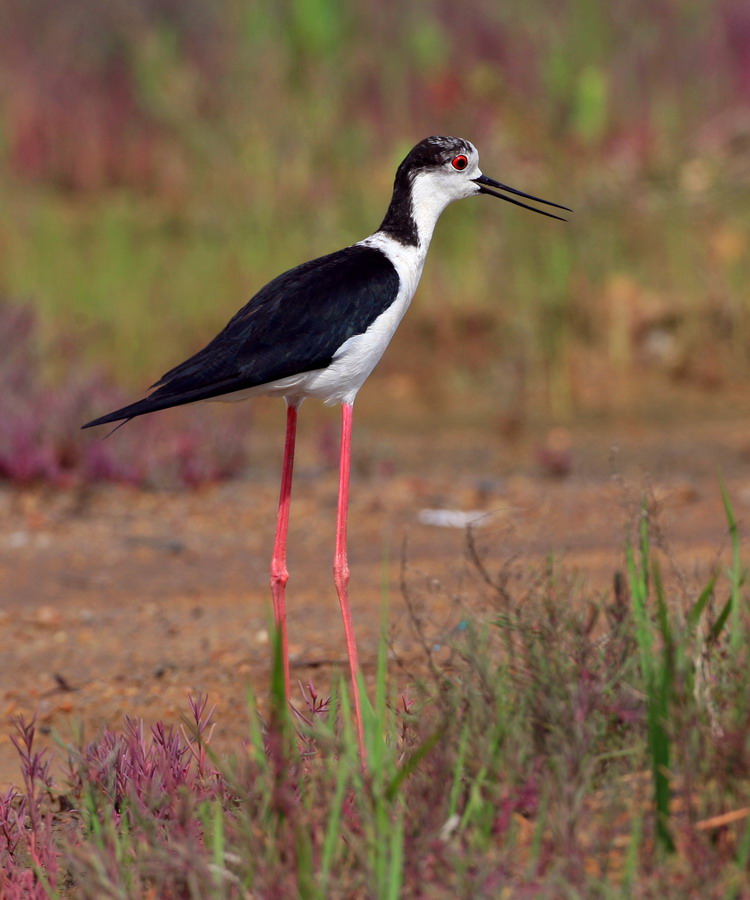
<point>434,151</point>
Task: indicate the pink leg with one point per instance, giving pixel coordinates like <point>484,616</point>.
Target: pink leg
<point>341,565</point>
<point>279,573</point>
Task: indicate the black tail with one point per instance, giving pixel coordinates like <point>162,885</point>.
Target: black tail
<point>167,396</point>
<point>160,399</point>
<point>140,408</point>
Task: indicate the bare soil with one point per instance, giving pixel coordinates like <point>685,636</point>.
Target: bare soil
<point>118,601</point>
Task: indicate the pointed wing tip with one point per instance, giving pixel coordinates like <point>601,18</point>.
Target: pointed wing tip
<point>102,420</point>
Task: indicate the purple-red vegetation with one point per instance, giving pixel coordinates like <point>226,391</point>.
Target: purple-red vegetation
<point>83,112</point>
<point>29,854</point>
<point>140,774</point>
<point>130,780</point>
<point>41,417</point>
<point>153,791</point>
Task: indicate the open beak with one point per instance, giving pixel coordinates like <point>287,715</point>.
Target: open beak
<point>485,183</point>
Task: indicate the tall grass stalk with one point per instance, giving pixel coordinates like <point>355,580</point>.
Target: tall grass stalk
<point>657,670</point>
<point>737,575</point>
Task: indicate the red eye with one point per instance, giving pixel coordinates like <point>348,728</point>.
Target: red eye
<point>460,162</point>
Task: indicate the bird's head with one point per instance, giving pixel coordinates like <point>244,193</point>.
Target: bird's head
<point>436,172</point>
<point>440,170</point>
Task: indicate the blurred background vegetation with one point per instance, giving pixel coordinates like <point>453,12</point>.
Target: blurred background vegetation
<point>160,160</point>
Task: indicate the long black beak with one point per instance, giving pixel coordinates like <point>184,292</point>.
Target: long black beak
<point>484,181</point>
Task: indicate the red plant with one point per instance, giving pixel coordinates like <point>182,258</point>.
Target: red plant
<point>41,438</point>
<point>29,855</point>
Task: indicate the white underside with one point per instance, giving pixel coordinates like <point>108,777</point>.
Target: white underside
<point>357,357</point>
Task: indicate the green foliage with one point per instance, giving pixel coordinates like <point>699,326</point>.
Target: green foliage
<point>205,140</point>
<point>672,647</point>
<point>737,576</point>
<point>516,768</point>
<point>590,115</point>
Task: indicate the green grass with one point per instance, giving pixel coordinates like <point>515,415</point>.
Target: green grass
<point>568,745</point>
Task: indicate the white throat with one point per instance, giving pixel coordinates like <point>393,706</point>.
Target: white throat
<point>428,202</point>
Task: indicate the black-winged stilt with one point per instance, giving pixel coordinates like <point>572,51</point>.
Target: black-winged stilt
<point>319,329</point>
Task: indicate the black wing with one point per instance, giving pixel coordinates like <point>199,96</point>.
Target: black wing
<point>295,324</point>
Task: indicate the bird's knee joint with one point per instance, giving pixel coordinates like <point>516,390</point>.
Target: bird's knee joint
<point>279,576</point>
<point>341,573</point>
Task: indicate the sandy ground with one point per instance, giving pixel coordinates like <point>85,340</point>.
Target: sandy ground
<point>116,601</point>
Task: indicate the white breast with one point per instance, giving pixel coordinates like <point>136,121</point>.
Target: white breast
<point>358,356</point>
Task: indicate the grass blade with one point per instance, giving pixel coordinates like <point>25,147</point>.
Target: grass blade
<point>736,573</point>
<point>696,610</point>
<point>333,829</point>
<point>721,621</point>
<point>412,763</point>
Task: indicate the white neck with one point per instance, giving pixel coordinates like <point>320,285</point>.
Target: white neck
<point>427,206</point>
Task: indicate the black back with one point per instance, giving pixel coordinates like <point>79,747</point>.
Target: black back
<point>294,324</point>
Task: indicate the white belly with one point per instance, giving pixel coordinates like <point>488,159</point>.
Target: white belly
<point>357,357</point>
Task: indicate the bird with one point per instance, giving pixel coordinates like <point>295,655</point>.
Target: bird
<point>318,330</point>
